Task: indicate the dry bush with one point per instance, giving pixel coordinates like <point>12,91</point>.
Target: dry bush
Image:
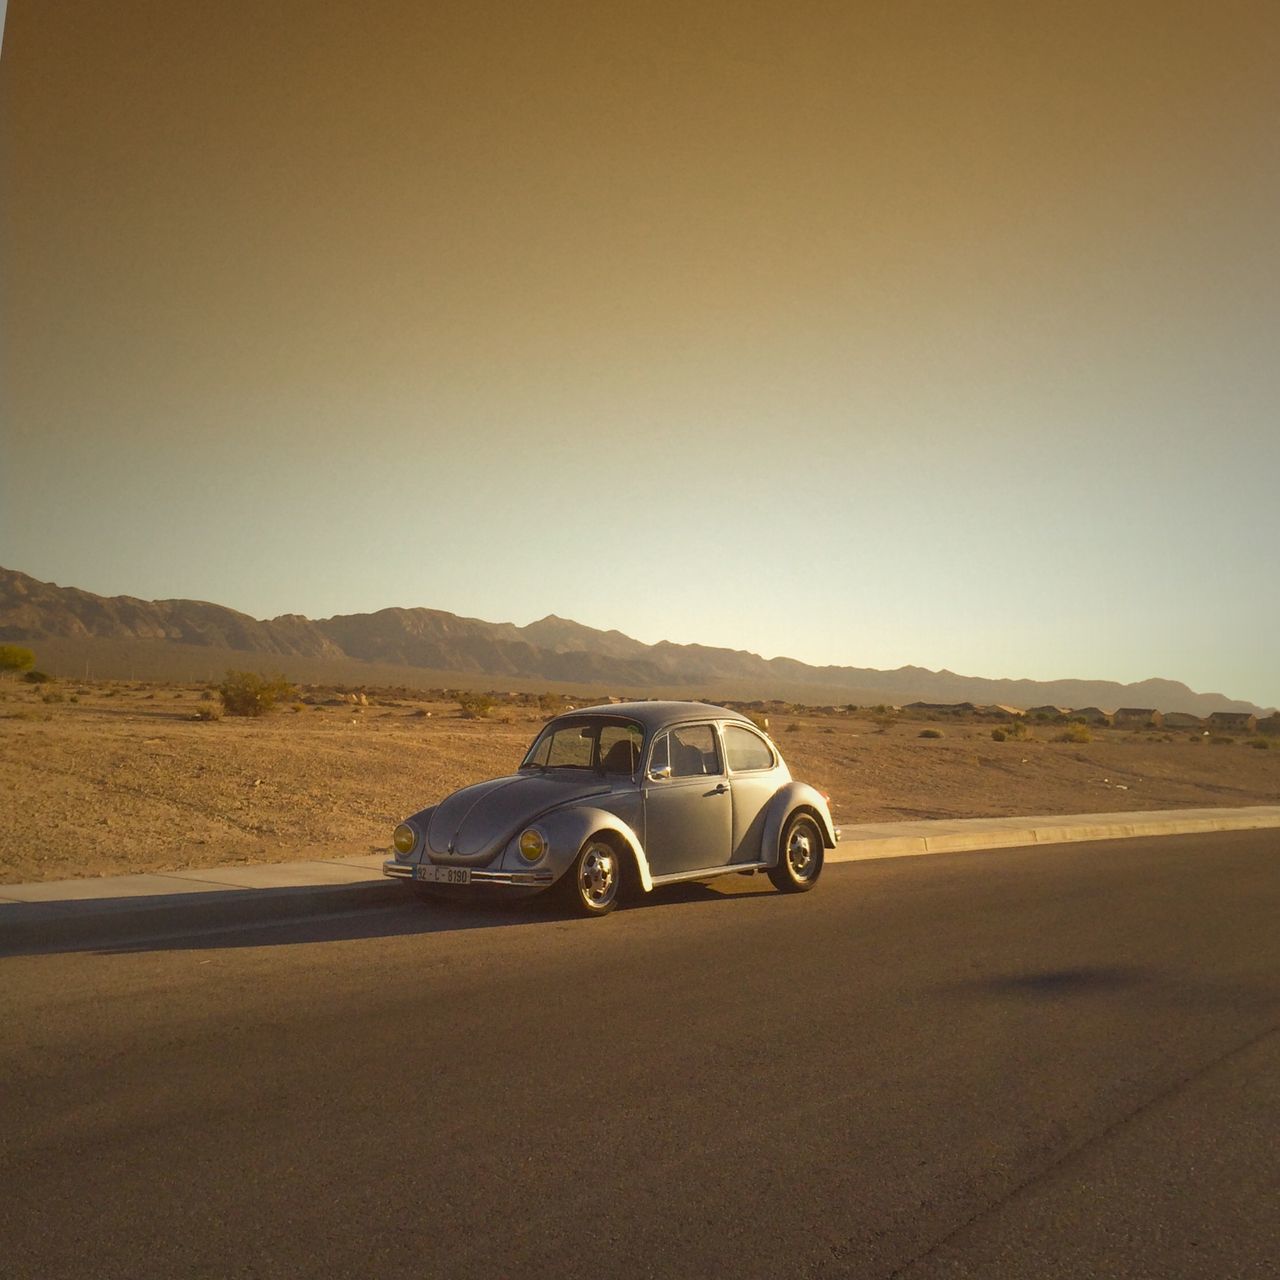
<point>930,733</point>
<point>475,706</point>
<point>1075,733</point>
<point>246,693</point>
<point>13,657</point>
<point>207,711</point>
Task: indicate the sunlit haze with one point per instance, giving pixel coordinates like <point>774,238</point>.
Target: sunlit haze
<point>868,334</point>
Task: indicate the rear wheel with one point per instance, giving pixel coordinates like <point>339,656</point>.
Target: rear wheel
<point>590,887</point>
<point>800,855</point>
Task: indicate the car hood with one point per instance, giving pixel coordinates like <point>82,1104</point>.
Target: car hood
<point>477,818</point>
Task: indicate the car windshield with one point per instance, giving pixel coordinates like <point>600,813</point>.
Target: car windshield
<point>604,746</point>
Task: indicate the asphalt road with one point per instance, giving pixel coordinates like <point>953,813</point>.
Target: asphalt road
<point>1027,1063</point>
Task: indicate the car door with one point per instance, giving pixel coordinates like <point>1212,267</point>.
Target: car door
<point>754,780</point>
<point>688,808</point>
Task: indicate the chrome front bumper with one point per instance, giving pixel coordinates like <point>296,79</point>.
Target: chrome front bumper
<point>522,879</point>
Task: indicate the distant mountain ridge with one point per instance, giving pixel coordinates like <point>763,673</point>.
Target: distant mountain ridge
<point>555,649</point>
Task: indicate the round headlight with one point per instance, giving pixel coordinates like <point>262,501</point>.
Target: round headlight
<point>405,838</point>
<point>532,845</point>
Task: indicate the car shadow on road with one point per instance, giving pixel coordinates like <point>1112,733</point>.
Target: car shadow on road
<point>1052,984</point>
<point>412,917</point>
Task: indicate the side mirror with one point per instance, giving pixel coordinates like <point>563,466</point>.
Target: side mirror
<point>660,774</point>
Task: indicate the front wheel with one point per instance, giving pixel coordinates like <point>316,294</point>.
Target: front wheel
<point>590,886</point>
<point>800,855</point>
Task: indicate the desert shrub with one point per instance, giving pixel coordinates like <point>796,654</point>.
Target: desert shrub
<point>246,693</point>
<point>793,727</point>
<point>299,706</point>
<point>13,657</point>
<point>475,706</point>
<point>75,697</point>
<point>998,735</point>
<point>206,695</point>
<point>884,722</point>
<point>1221,740</point>
<point>52,696</point>
<point>1075,733</point>
<point>37,677</point>
<point>1261,744</point>
<point>1018,729</point>
<point>207,711</point>
<point>931,733</point>
<point>420,714</point>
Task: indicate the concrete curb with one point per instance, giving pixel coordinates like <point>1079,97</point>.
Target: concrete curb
<point>115,910</point>
<point>911,839</point>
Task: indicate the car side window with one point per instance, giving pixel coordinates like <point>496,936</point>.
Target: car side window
<point>746,750</point>
<point>620,747</point>
<point>694,751</point>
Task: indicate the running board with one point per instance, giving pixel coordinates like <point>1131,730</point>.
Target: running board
<point>732,869</point>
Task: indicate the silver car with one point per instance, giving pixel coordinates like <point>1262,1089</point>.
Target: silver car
<point>632,795</point>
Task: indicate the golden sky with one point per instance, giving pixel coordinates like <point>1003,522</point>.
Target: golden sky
<point>866,333</point>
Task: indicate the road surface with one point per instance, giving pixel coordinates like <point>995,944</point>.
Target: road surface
<point>1024,1063</point>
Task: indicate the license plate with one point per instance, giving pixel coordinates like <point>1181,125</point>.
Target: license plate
<point>443,875</point>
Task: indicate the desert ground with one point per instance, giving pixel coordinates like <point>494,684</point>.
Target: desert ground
<point>109,778</point>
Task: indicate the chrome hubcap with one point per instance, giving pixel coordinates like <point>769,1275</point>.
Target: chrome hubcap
<point>598,878</point>
<point>800,853</point>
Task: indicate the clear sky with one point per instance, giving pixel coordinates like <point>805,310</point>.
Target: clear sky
<point>867,333</point>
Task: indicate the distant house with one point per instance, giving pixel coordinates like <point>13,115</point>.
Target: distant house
<point>1182,720</point>
<point>1048,712</point>
<point>1270,724</point>
<point>1137,718</point>
<point>1240,721</point>
<point>1089,715</point>
<point>943,708</point>
<point>1004,710</point>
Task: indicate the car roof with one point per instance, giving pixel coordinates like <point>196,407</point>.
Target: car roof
<point>657,715</point>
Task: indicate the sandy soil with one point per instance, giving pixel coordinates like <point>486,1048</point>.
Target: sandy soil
<point>124,780</point>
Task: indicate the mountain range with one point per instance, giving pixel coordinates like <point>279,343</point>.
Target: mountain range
<point>77,624</point>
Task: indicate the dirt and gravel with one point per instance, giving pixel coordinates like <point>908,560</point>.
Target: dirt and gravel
<point>124,779</point>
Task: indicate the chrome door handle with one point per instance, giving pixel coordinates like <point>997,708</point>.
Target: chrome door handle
<point>720,789</point>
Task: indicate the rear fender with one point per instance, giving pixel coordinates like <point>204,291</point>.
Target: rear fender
<point>567,830</point>
<point>789,798</point>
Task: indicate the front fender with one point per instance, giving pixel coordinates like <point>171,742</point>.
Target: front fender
<point>566,830</point>
<point>789,798</point>
<point>419,822</point>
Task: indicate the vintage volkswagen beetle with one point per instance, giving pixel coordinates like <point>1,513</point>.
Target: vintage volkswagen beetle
<point>636,794</point>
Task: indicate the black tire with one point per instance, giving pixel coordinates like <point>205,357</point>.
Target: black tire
<point>591,887</point>
<point>800,855</point>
